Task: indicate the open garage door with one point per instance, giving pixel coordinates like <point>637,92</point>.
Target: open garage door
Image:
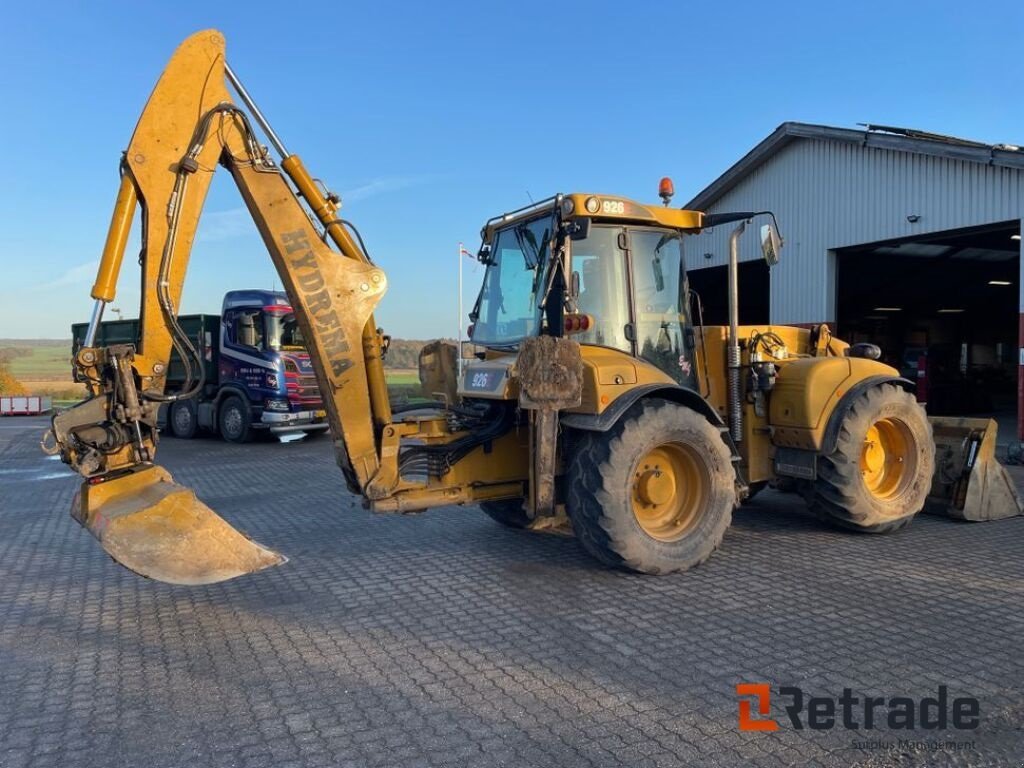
<point>711,285</point>
<point>945,304</point>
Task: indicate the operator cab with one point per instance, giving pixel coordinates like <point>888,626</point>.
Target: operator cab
<point>608,271</point>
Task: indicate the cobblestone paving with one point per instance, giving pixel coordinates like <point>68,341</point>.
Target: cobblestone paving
<point>443,639</point>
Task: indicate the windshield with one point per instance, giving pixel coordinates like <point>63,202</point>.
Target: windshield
<point>506,311</point>
<point>283,331</point>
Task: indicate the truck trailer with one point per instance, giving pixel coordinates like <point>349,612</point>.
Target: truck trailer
<point>257,374</point>
<point>24,405</point>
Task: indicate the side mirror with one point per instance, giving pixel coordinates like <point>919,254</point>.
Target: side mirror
<point>574,286</point>
<point>771,244</point>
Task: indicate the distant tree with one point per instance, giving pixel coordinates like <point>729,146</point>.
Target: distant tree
<point>9,353</point>
<point>8,384</point>
<point>404,353</point>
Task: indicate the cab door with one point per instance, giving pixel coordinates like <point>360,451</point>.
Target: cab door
<point>661,324</point>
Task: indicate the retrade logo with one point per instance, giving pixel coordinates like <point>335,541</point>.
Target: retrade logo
<point>822,713</point>
<point>762,694</point>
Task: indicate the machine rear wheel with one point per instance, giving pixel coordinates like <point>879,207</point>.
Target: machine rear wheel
<point>183,420</point>
<point>655,493</point>
<point>234,421</point>
<point>878,476</point>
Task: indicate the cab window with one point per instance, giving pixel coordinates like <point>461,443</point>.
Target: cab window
<point>604,291</point>
<point>659,291</point>
<point>245,328</point>
<point>506,311</point>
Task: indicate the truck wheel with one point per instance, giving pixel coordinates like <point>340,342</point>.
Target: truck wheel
<point>655,493</point>
<point>508,512</point>
<point>234,420</point>
<point>880,472</point>
<point>183,420</point>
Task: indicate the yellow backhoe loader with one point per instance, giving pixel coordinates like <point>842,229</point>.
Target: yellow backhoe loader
<point>594,402</point>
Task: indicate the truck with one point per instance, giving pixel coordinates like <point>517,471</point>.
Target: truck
<point>257,376</point>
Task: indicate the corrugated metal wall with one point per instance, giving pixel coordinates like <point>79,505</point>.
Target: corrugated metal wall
<point>832,194</point>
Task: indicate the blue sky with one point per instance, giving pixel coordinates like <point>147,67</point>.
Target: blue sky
<point>431,117</point>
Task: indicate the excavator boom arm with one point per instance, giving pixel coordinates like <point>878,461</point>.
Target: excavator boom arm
<point>189,126</point>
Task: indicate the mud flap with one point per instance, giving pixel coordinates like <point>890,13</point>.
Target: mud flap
<point>969,482</point>
<point>159,529</point>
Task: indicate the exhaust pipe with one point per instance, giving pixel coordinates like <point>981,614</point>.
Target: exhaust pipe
<point>733,347</point>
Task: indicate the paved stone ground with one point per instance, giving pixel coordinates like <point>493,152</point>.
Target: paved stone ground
<point>444,639</point>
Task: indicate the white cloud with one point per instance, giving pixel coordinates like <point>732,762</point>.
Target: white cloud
<point>83,274</point>
<point>218,226</point>
<point>382,185</point>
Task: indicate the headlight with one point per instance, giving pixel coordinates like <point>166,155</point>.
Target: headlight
<point>568,206</point>
<point>592,205</point>
<point>277,405</point>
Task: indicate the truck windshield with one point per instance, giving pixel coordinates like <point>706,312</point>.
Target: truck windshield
<point>506,310</point>
<point>283,331</point>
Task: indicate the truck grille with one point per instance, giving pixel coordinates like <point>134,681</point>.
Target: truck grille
<point>303,392</point>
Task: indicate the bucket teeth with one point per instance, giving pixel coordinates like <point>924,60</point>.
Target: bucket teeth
<point>159,529</point>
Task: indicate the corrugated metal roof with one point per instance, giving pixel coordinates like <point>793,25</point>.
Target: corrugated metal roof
<point>876,136</point>
<point>846,190</point>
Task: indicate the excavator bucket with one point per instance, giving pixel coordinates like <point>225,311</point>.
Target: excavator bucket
<point>969,482</point>
<point>159,529</point>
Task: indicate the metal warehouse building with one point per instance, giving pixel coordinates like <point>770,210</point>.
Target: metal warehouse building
<point>907,239</point>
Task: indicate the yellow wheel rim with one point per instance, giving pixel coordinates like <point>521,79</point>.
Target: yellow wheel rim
<point>671,487</point>
<point>887,461</point>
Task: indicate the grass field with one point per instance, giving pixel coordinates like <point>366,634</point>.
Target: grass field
<point>43,367</point>
<point>39,360</point>
<point>402,376</point>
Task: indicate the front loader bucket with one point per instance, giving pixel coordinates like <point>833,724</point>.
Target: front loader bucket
<point>159,529</point>
<point>969,482</point>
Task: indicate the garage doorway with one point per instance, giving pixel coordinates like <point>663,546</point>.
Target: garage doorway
<point>711,286</point>
<point>946,303</point>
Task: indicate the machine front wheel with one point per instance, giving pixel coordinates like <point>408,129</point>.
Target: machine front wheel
<point>878,476</point>
<point>655,493</point>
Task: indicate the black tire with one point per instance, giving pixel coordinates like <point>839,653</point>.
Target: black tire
<point>604,485</point>
<point>754,489</point>
<point>183,419</point>
<point>851,491</point>
<point>508,512</point>
<point>234,420</point>
<point>784,484</point>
